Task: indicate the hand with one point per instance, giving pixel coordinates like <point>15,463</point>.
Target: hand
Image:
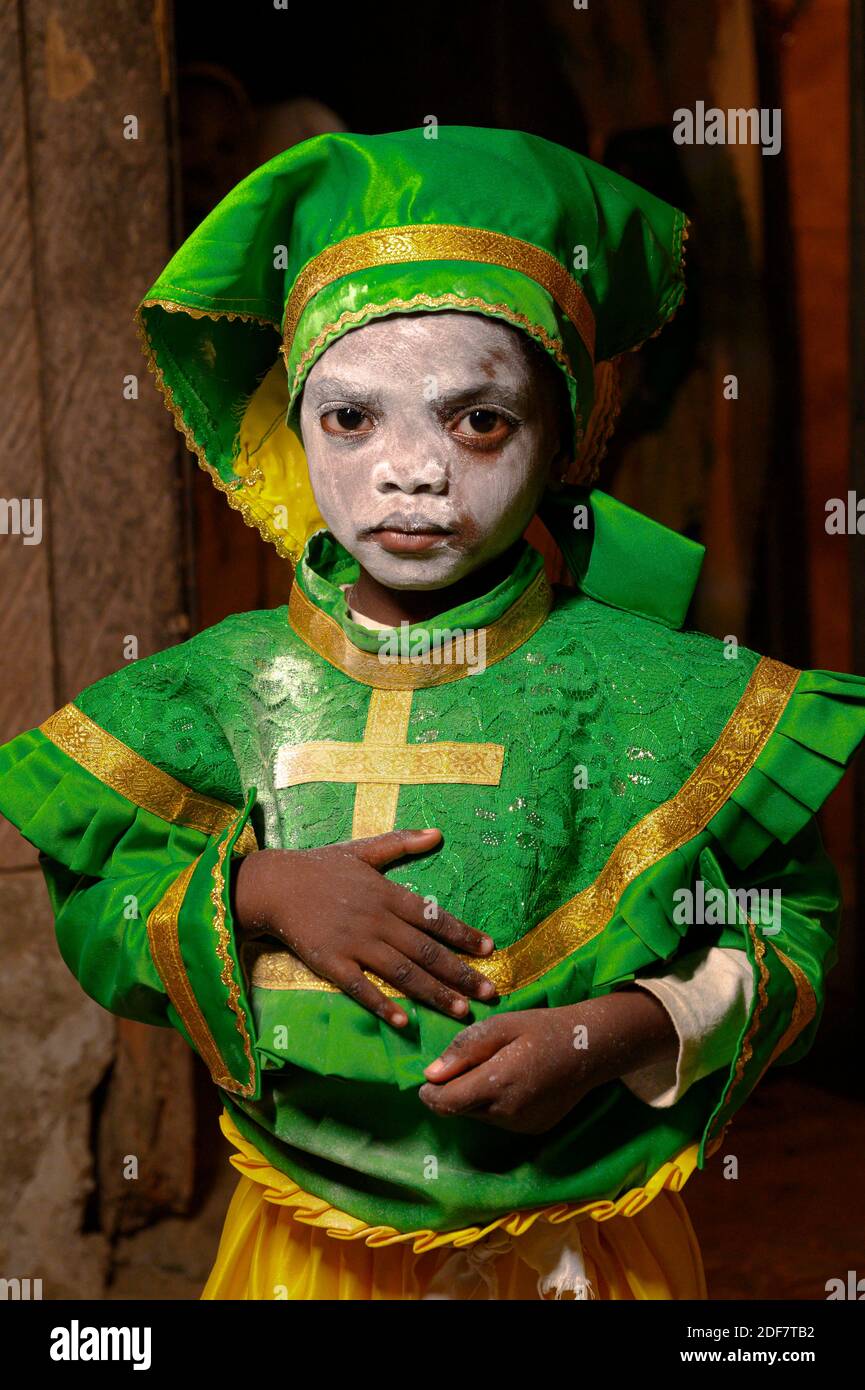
<point>524,1071</point>
<point>341,916</point>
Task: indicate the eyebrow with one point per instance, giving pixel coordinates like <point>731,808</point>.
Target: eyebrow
<point>481,390</point>
<point>335,388</point>
<point>328,387</point>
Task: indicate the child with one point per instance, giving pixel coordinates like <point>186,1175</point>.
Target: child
<point>451,880</point>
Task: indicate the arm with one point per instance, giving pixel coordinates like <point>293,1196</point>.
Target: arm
<point>707,995</point>
<point>147,900</point>
<point>524,1071</point>
<point>156,944</point>
<point>137,869</point>
<point>520,1070</point>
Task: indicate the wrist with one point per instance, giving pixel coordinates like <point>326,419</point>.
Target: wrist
<point>588,1029</point>
<point>626,1030</point>
<point>246,904</point>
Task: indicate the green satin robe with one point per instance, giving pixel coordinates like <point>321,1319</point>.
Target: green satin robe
<point>601,760</point>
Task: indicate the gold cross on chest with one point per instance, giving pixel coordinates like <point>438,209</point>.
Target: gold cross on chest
<point>385,761</point>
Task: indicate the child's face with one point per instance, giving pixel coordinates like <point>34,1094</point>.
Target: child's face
<point>430,439</point>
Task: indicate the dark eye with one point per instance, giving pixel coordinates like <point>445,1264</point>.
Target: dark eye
<point>346,420</point>
<point>486,428</point>
<point>482,421</point>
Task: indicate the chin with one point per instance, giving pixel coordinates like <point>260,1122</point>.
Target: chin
<point>435,571</point>
<point>415,575</point>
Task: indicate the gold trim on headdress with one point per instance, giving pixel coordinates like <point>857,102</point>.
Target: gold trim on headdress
<point>427,301</point>
<point>440,242</point>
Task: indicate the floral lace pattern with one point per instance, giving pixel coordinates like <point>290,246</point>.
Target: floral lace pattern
<point>602,716</point>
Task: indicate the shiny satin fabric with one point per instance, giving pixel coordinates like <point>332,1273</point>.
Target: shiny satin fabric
<point>263,1254</point>
<point>269,1251</point>
<point>344,228</point>
<point>716,777</point>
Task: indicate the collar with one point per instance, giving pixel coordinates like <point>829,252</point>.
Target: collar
<point>418,654</point>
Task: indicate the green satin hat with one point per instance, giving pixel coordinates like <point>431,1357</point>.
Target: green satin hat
<point>344,228</point>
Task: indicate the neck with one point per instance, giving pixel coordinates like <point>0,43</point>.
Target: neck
<point>395,606</point>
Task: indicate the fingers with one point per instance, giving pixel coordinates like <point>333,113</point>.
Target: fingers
<point>439,961</point>
<point>470,1048</point>
<point>412,980</point>
<point>426,914</point>
<point>480,1089</point>
<point>379,850</point>
<point>459,1097</point>
<point>353,982</point>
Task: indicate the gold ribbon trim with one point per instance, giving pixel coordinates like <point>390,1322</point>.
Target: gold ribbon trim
<point>804,1009</point>
<point>303,1207</point>
<point>401,763</point>
<point>440,242</point>
<point>324,635</point>
<point>385,761</point>
<point>163,934</point>
<point>387,722</point>
<point>174,306</point>
<point>227,975</point>
<point>232,495</point>
<point>663,830</point>
<point>123,770</point>
<point>746,1051</point>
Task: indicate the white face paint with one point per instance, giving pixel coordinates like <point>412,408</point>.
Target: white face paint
<point>430,439</point>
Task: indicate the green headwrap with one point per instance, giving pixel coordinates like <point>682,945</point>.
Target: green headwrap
<point>344,228</point>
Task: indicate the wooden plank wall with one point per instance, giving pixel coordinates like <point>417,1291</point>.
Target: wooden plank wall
<point>86,217</point>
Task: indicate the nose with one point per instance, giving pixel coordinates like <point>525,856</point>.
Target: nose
<point>410,475</point>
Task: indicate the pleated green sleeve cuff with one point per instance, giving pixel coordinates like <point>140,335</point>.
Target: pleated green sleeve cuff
<point>763,845</point>
<point>790,902</point>
<point>192,941</point>
<point>141,901</point>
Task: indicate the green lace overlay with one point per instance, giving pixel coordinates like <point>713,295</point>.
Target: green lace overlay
<point>602,715</point>
<point>637,725</point>
<point>631,702</point>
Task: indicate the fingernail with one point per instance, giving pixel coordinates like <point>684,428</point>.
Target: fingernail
<point>487,945</point>
<point>434,1068</point>
<point>486,989</point>
<point>460,1006</point>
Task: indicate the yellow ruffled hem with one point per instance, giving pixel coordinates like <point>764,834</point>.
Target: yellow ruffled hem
<point>315,1211</point>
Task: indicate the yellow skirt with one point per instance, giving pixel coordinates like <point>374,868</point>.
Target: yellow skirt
<point>279,1242</point>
